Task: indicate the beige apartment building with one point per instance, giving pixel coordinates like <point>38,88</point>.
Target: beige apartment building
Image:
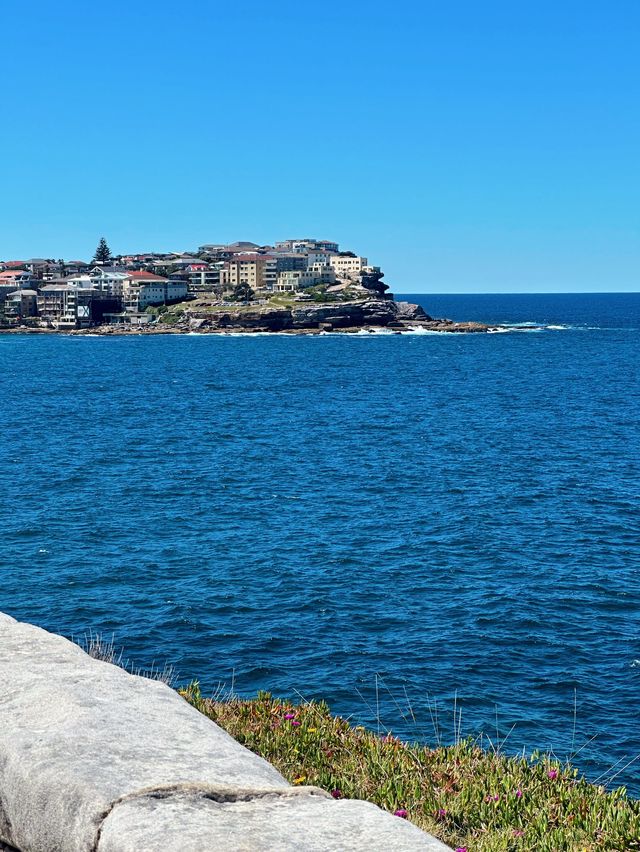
<point>347,267</point>
<point>259,271</point>
<point>299,279</point>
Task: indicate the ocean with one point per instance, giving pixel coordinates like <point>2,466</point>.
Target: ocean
<point>399,524</point>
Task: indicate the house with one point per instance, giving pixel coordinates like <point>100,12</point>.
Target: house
<point>39,265</point>
<point>17,277</point>
<point>11,280</point>
<point>106,279</point>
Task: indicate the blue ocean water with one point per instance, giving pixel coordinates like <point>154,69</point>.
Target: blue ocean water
<point>369,519</point>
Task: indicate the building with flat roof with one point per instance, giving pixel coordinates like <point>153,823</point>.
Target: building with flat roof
<point>346,266</point>
<point>259,271</point>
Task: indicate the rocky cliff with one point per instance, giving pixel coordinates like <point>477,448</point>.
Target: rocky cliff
<point>326,316</point>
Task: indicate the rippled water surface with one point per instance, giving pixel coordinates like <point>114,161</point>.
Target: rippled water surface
<point>366,519</point>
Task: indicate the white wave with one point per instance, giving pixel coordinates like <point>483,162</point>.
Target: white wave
<point>375,330</point>
<point>515,329</point>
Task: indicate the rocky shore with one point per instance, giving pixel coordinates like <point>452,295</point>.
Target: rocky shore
<point>303,318</point>
<point>352,317</point>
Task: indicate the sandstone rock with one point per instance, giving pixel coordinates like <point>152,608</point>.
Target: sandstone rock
<point>297,819</point>
<point>76,734</point>
<point>339,314</point>
<point>408,311</point>
<point>93,759</point>
<point>378,312</point>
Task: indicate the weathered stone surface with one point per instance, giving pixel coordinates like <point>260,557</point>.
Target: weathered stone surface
<point>378,312</point>
<point>93,759</point>
<point>408,311</point>
<point>300,819</point>
<point>340,315</point>
<point>76,734</point>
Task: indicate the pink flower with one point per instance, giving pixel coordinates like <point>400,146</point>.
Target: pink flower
<point>519,794</point>
<point>401,813</point>
<point>337,794</point>
<point>518,833</point>
<point>441,813</point>
<point>289,715</point>
<point>553,774</point>
<point>461,849</point>
<point>295,723</point>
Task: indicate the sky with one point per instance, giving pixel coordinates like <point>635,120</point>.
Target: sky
<point>464,146</point>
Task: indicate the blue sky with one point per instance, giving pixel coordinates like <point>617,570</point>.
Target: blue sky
<point>464,146</point>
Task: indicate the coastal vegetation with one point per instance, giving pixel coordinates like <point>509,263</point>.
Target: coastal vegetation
<point>473,798</point>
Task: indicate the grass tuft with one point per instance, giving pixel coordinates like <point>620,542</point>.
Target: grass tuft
<point>469,797</point>
<point>96,646</point>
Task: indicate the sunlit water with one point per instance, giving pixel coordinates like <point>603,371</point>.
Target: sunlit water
<point>370,519</point>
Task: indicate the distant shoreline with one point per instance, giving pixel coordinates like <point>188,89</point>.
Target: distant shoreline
<point>353,317</point>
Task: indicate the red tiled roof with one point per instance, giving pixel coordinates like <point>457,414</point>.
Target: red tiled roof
<point>143,275</point>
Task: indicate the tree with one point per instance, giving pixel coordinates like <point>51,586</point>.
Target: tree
<point>242,293</point>
<point>103,252</point>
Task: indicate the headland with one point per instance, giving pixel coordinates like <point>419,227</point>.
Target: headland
<point>297,286</point>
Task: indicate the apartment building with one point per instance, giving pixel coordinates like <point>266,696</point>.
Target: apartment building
<point>21,303</point>
<point>291,280</point>
<point>306,245</point>
<point>201,277</point>
<point>286,262</point>
<point>259,271</point>
<point>294,279</point>
<point>346,266</point>
<point>142,289</point>
<point>67,306</point>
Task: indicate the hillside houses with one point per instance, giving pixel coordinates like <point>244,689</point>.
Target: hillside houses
<point>76,294</point>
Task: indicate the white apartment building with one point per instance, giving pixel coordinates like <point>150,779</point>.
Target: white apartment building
<point>104,279</point>
<point>203,277</point>
<point>318,257</point>
<point>302,246</point>
<point>142,289</point>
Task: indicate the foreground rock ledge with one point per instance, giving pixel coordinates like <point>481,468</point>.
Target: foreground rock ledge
<point>93,759</point>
